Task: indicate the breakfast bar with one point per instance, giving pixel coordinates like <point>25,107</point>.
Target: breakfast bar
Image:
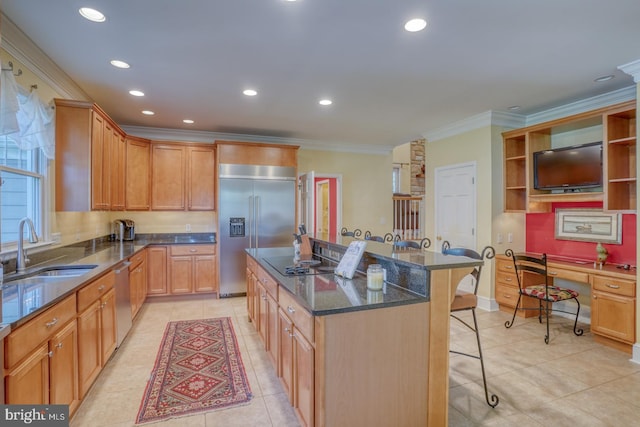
<point>330,338</point>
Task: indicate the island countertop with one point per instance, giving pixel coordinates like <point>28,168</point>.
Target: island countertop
<point>325,294</point>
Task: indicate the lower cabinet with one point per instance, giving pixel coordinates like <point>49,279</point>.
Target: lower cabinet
<point>138,281</point>
<point>192,269</point>
<point>42,359</point>
<point>96,329</point>
<point>157,270</point>
<point>613,308</point>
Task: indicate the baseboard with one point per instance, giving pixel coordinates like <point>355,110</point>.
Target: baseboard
<point>487,304</point>
<point>490,304</point>
<point>635,353</point>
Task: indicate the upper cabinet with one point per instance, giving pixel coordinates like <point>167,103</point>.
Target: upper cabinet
<point>615,126</point>
<point>249,153</point>
<point>89,158</point>
<point>182,177</point>
<point>137,175</point>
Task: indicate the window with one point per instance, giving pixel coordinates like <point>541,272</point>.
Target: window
<point>21,184</point>
<point>396,179</point>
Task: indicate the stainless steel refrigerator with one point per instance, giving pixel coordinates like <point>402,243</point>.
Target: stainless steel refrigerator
<point>256,209</point>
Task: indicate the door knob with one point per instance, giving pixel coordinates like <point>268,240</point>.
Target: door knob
<point>438,237</point>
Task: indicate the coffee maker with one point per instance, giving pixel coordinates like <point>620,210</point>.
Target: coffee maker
<point>124,229</point>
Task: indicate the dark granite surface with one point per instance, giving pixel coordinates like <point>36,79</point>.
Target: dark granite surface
<point>324,294</point>
<point>21,300</point>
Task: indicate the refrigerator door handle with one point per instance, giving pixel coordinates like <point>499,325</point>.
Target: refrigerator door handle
<point>257,218</point>
<point>250,225</point>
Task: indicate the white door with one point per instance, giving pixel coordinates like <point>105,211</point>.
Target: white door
<point>306,197</point>
<point>323,207</point>
<point>455,210</point>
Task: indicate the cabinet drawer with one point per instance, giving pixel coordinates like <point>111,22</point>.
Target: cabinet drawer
<point>37,330</point>
<point>574,276</point>
<point>182,250</point>
<point>267,281</point>
<point>505,265</point>
<point>506,279</point>
<point>507,295</point>
<point>301,318</point>
<point>94,290</point>
<point>251,264</point>
<point>614,286</point>
<point>137,259</point>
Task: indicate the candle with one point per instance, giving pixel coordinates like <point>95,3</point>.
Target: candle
<point>375,277</point>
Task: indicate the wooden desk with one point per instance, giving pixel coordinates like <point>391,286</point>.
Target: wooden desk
<point>613,296</point>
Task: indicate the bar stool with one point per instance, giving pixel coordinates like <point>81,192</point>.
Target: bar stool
<point>467,301</point>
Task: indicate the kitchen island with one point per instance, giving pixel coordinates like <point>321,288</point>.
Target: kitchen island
<point>349,356</point>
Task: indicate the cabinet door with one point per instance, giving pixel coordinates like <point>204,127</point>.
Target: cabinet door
<point>89,344</point>
<point>98,198</point>
<point>201,178</point>
<point>28,383</point>
<point>117,170</point>
<point>138,164</point>
<point>272,330</point>
<point>285,353</point>
<point>263,312</point>
<point>135,289</point>
<point>168,177</point>
<point>157,270</point>
<point>181,274</point>
<point>251,290</point>
<point>204,274</point>
<point>304,379</point>
<point>108,328</point>
<point>63,370</point>
<point>142,290</point>
<point>613,316</point>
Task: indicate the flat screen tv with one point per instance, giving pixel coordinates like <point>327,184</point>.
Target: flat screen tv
<point>568,168</point>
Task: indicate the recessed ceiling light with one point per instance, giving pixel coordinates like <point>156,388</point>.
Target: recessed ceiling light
<point>92,14</point>
<point>603,78</point>
<point>250,92</point>
<point>514,107</point>
<point>136,93</point>
<point>120,64</point>
<point>148,112</point>
<point>325,102</point>
<point>417,24</point>
<point>188,121</point>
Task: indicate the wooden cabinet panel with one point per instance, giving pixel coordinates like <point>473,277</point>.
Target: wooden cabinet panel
<point>63,370</point>
<point>272,330</point>
<point>28,383</point>
<point>614,285</point>
<point>137,175</point>
<point>181,274</point>
<point>285,353</point>
<point>100,154</point>
<point>168,164</point>
<point>613,316</point>
<point>89,350</point>
<point>304,379</point>
<point>96,289</point>
<point>157,270</point>
<point>117,170</point>
<point>204,277</point>
<point>201,178</point>
<point>138,281</point>
<point>191,250</point>
<point>108,327</point>
<point>262,312</point>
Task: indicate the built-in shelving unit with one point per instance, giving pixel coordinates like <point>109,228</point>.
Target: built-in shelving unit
<point>615,126</point>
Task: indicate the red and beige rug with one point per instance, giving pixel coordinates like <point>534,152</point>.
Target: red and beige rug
<point>198,368</point>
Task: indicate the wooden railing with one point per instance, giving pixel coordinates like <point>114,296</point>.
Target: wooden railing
<point>408,217</point>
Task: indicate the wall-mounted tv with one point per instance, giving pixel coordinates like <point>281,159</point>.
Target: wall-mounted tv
<point>568,168</point>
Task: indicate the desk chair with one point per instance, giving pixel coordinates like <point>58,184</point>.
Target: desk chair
<point>386,238</point>
<point>355,233</point>
<point>466,301</point>
<point>422,244</point>
<point>533,281</point>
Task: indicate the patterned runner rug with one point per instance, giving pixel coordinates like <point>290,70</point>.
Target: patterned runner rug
<point>198,368</point>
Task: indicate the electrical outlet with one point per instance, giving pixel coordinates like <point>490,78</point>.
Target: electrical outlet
<point>187,227</point>
<point>499,238</point>
<point>510,237</point>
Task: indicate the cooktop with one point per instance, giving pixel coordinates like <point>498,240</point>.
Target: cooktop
<point>287,266</point>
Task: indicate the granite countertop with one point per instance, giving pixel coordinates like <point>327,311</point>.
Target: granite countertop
<point>324,294</point>
<point>21,302</point>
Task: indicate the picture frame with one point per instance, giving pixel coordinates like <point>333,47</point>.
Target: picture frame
<point>588,225</point>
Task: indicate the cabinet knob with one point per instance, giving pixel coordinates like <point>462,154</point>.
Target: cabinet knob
<point>553,273</point>
<point>52,323</point>
<point>609,285</point>
<point>291,309</point>
<point>59,345</point>
<point>101,288</point>
<point>50,354</point>
<point>193,250</point>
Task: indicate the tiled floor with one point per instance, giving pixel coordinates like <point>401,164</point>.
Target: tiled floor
<point>570,382</point>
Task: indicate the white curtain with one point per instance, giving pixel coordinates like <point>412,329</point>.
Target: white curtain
<point>24,118</point>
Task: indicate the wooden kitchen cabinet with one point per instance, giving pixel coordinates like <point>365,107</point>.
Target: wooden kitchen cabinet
<point>620,160</point>
<point>251,288</point>
<point>506,289</point>
<point>613,308</point>
<point>96,328</point>
<point>182,177</point>
<point>88,154</point>
<point>138,281</point>
<point>137,174</point>
<point>157,270</point>
<point>41,359</point>
<point>192,269</point>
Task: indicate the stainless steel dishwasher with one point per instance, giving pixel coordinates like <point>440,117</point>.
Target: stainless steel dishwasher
<point>123,301</point>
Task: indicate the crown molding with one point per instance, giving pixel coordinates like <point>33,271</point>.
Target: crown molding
<point>167,134</point>
<point>21,47</point>
<point>488,118</point>
<point>633,69</point>
<point>610,98</point>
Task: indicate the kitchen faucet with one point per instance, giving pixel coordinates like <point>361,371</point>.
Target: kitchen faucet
<point>22,260</point>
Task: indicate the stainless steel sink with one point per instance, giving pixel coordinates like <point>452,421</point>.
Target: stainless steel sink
<point>52,274</point>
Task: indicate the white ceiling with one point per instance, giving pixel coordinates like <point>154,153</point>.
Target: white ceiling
<point>193,58</point>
